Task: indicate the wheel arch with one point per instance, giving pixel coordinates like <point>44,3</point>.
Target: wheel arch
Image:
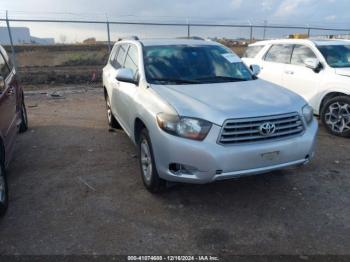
<point>105,93</point>
<point>138,126</point>
<point>328,96</point>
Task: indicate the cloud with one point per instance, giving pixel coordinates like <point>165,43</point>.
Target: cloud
<point>289,7</point>
<point>331,18</point>
<point>236,4</point>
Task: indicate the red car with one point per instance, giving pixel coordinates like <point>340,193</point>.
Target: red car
<point>13,119</point>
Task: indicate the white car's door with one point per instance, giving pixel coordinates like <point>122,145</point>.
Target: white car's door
<point>273,63</point>
<point>300,79</point>
<point>127,91</point>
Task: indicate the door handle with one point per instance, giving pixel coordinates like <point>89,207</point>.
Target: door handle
<point>289,72</point>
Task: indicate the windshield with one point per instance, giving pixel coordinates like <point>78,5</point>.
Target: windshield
<point>184,64</point>
<point>336,55</point>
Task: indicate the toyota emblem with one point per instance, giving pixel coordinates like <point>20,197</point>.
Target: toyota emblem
<point>267,129</point>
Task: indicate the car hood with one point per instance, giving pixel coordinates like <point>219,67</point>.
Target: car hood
<point>343,71</point>
<point>220,101</point>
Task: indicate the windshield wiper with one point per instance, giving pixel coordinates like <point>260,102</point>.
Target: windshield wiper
<point>222,78</point>
<point>174,80</point>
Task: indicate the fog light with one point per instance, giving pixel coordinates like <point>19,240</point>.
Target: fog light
<point>181,169</point>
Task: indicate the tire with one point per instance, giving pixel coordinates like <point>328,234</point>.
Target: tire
<point>24,119</point>
<point>112,122</point>
<point>335,115</point>
<point>149,174</point>
<point>3,188</point>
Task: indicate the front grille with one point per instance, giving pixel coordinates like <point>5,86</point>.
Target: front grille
<point>249,129</point>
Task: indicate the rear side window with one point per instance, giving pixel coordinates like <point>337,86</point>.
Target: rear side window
<point>4,69</point>
<point>279,54</point>
<point>131,60</point>
<point>118,60</point>
<point>252,51</point>
<point>300,53</point>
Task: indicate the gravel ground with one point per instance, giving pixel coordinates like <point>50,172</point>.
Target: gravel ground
<point>75,188</point>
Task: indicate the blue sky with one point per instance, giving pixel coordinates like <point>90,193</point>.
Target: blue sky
<point>327,13</point>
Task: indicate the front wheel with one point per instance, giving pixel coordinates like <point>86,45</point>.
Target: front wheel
<point>112,122</point>
<point>149,173</point>
<point>3,189</point>
<point>335,115</point>
<point>24,119</point>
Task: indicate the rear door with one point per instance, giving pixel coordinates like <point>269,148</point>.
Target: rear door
<point>274,61</point>
<point>300,79</point>
<point>8,116</point>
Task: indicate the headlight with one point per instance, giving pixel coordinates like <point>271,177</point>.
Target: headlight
<point>308,113</point>
<point>191,128</point>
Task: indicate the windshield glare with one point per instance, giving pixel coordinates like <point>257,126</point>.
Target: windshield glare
<point>336,55</point>
<point>184,64</point>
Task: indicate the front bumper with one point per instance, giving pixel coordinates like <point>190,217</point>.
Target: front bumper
<point>211,161</point>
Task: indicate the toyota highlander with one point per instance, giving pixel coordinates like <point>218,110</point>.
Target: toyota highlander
<point>197,114</point>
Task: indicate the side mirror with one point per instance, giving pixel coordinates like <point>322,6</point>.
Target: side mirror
<point>126,75</point>
<point>255,69</point>
<point>313,63</point>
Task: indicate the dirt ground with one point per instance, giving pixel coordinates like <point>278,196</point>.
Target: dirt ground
<point>75,188</point>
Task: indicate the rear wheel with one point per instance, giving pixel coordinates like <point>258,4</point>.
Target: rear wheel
<point>335,115</point>
<point>24,119</point>
<point>3,188</point>
<point>149,173</point>
<point>112,122</point>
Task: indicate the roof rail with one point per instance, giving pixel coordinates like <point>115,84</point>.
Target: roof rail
<point>191,37</point>
<point>133,37</point>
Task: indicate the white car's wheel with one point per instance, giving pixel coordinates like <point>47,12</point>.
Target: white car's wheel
<point>336,116</point>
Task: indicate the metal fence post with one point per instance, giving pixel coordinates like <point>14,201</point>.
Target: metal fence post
<point>188,29</point>
<point>308,32</point>
<point>251,34</point>
<point>109,37</point>
<point>11,41</point>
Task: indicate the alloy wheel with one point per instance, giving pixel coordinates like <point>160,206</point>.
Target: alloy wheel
<point>109,111</point>
<point>146,160</point>
<point>338,117</point>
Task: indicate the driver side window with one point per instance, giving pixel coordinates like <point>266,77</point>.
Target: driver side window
<point>119,56</point>
<point>131,60</point>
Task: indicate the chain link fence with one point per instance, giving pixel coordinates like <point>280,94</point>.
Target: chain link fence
<point>81,48</point>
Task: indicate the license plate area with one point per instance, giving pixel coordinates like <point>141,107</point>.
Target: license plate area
<point>270,156</point>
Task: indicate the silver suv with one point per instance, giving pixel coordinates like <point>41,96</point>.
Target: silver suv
<point>197,114</point>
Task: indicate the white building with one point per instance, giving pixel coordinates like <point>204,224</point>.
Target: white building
<point>21,35</point>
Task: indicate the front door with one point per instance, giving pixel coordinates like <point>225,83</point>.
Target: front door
<point>8,116</point>
<point>300,79</point>
<point>127,91</point>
